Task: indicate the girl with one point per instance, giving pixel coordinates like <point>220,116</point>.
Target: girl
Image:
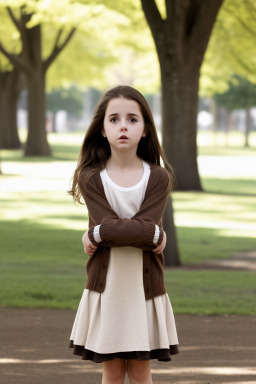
<point>125,317</point>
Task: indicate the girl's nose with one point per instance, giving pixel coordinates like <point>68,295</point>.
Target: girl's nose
<point>123,125</point>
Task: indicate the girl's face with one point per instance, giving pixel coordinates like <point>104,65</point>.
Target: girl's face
<point>123,124</point>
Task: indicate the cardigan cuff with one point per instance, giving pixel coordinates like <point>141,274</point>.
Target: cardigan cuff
<point>91,236</point>
<point>157,233</point>
<point>161,236</point>
<point>96,234</point>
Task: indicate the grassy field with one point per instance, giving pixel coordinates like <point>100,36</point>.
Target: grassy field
<point>42,260</point>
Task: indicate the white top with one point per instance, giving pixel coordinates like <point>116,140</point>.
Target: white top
<point>125,201</point>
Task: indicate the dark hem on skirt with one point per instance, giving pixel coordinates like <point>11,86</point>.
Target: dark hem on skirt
<point>160,354</point>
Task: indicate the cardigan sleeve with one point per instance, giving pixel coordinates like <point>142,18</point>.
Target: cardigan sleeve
<point>138,231</point>
<point>97,239</point>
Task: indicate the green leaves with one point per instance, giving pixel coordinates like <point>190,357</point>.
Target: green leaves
<point>232,48</point>
<point>240,95</point>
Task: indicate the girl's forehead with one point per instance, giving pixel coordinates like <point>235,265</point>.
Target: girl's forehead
<point>122,105</point>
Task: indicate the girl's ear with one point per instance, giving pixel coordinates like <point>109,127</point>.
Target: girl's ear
<point>103,133</point>
<point>145,132</point>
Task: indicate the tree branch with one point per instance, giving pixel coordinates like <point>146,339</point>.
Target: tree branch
<point>241,62</point>
<point>58,38</point>
<point>204,20</point>
<point>245,26</point>
<point>250,5</point>
<point>57,49</point>
<point>153,16</point>
<point>179,16</point>
<point>13,18</point>
<point>16,60</point>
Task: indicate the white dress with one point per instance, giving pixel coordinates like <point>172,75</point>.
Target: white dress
<point>120,320</point>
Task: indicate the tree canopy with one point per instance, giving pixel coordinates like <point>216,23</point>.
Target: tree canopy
<point>231,50</point>
<point>241,94</point>
<point>61,20</point>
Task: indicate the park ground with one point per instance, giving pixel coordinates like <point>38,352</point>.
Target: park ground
<point>43,270</point>
<point>213,349</point>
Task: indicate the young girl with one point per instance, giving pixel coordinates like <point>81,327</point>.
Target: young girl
<point>125,317</point>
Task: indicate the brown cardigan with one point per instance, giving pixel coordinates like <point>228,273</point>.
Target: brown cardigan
<point>137,231</point>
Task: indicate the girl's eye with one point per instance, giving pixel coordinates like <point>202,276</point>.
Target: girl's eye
<point>113,120</point>
<point>133,120</point>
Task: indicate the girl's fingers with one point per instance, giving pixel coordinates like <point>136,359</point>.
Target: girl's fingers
<point>90,250</point>
<point>158,249</point>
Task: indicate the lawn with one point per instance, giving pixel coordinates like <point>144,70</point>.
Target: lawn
<point>42,260</point>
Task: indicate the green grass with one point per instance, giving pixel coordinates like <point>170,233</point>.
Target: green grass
<point>64,147</point>
<point>211,225</point>
<point>230,186</point>
<point>208,292</point>
<point>42,259</point>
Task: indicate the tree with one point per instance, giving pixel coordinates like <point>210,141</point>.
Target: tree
<point>11,84</point>
<point>64,18</point>
<point>34,67</point>
<point>240,95</point>
<point>10,87</point>
<point>181,37</point>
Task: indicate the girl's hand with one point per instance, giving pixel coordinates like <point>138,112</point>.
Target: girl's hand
<point>159,249</point>
<point>89,247</point>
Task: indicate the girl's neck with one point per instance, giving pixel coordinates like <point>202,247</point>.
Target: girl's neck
<point>121,161</point>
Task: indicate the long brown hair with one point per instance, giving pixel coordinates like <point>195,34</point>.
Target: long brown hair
<point>96,150</point>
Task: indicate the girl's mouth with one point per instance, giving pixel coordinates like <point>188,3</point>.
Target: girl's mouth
<point>123,137</point>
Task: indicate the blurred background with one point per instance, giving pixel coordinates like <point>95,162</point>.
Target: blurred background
<point>195,64</point>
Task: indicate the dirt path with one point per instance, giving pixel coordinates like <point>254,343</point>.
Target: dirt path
<point>245,261</point>
<point>213,349</point>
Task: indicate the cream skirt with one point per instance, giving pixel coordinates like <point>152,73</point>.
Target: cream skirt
<point>120,322</point>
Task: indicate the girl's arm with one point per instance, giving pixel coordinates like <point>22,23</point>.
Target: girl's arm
<point>90,248</point>
<point>139,231</point>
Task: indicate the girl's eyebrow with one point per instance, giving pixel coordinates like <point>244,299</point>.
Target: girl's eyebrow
<point>129,114</point>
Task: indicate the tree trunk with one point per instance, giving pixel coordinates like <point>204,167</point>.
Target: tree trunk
<point>181,40</point>
<point>8,110</point>
<point>229,126</point>
<point>180,124</point>
<point>247,127</point>
<point>37,144</point>
<point>54,121</point>
<point>171,252</point>
<point>214,125</point>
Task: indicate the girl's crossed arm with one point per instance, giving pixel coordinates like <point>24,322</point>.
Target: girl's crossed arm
<point>140,230</point>
<point>90,248</point>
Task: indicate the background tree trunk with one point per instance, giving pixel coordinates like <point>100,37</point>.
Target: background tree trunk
<point>171,252</point>
<point>37,144</point>
<point>180,124</point>
<point>54,121</point>
<point>247,127</point>
<point>8,111</point>
<point>214,124</point>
